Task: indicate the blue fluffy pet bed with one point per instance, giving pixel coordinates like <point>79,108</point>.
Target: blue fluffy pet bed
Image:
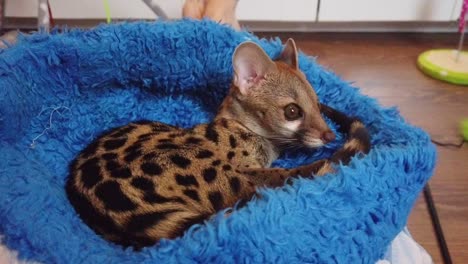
<point>60,91</point>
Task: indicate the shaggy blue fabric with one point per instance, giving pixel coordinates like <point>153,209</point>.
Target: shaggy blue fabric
<point>59,91</point>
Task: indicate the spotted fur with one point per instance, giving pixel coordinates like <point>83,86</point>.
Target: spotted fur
<point>147,180</point>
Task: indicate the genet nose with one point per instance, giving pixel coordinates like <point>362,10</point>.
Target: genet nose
<point>328,136</point>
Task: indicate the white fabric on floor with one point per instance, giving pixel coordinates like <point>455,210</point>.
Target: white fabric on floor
<point>8,256</point>
<point>403,250</point>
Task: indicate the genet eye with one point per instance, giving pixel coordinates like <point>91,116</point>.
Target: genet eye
<point>292,112</point>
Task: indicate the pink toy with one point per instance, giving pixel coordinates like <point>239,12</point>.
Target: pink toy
<point>461,28</point>
<point>464,10</point>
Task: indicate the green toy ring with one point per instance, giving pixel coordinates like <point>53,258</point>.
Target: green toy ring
<point>440,64</point>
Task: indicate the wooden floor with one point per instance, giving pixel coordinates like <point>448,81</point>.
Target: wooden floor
<point>384,66</point>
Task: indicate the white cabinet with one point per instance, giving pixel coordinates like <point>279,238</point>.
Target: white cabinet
<point>386,10</point>
<point>277,10</point>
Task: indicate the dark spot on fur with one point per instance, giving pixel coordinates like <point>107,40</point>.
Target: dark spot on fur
<point>216,200</point>
<point>143,184</point>
<point>114,143</point>
<point>204,154</point>
<point>235,184</point>
<point>73,167</point>
<point>112,165</point>
<point>224,123</point>
<point>232,141</point>
<point>113,198</point>
<point>121,172</point>
<point>90,173</point>
<point>133,148</point>
<point>343,155</point>
<point>179,200</point>
<point>175,135</point>
<point>209,174</point>
<point>109,156</point>
<point>116,170</point>
<point>247,166</point>
<point>159,127</point>
<point>216,162</point>
<point>245,153</point>
<point>186,180</point>
<point>241,203</point>
<point>227,167</point>
<point>92,217</point>
<point>362,135</point>
<point>244,136</point>
<point>122,131</point>
<point>151,168</point>
<point>132,156</point>
<point>167,146</point>
<point>153,197</point>
<point>90,149</point>
<point>150,195</point>
<point>137,241</point>
<point>150,156</point>
<point>192,194</point>
<point>170,188</point>
<point>133,152</point>
<point>231,155</point>
<point>145,137</point>
<point>211,133</point>
<point>165,140</point>
<point>193,140</point>
<point>141,222</point>
<point>180,161</point>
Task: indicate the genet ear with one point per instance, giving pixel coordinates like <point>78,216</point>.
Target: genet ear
<point>289,54</point>
<point>251,64</point>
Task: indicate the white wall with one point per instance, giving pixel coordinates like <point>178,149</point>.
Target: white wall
<point>259,10</point>
<point>93,9</point>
